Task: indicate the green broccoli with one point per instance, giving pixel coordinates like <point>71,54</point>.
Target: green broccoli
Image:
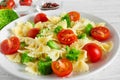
<point>72,54</point>
<point>52,44</point>
<point>7,16</point>
<point>44,66</point>
<point>23,44</point>
<point>67,49</point>
<point>82,36</point>
<point>57,29</point>
<point>43,32</point>
<point>67,18</point>
<point>88,29</point>
<point>25,58</point>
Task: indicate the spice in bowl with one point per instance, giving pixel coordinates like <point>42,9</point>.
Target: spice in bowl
<point>49,6</point>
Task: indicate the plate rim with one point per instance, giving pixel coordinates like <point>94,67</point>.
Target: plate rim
<point>77,77</point>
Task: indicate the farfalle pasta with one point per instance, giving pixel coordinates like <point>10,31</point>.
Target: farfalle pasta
<point>38,48</point>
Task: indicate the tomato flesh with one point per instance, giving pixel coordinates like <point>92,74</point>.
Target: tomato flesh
<point>66,37</point>
<point>10,46</point>
<point>15,44</point>
<point>94,52</point>
<point>74,16</point>
<point>5,46</point>
<point>100,33</point>
<point>33,32</point>
<point>40,17</point>
<point>25,2</point>
<point>62,67</point>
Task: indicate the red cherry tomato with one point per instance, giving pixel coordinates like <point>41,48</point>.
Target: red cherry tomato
<point>94,52</point>
<point>40,17</point>
<point>15,44</point>
<point>100,33</point>
<point>10,46</point>
<point>62,67</point>
<point>25,2</point>
<point>33,32</point>
<point>74,16</point>
<point>7,4</point>
<point>66,36</point>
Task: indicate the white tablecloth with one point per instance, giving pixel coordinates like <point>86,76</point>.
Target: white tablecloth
<point>108,10</point>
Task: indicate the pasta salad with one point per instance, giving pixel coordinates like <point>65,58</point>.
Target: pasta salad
<point>57,44</point>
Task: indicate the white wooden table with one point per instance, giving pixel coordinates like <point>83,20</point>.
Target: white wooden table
<point>108,10</point>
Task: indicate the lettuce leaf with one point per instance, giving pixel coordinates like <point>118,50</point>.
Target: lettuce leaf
<point>7,16</point>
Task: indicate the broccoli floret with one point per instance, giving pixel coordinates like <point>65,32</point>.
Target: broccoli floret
<point>88,29</point>
<point>58,29</point>
<point>44,66</point>
<point>67,18</point>
<point>52,44</point>
<point>43,32</point>
<point>82,36</point>
<point>72,54</point>
<point>25,58</point>
<point>23,44</point>
<point>7,16</point>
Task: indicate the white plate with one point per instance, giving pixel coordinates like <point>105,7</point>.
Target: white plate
<point>18,70</point>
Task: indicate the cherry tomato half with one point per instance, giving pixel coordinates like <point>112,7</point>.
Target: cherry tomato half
<point>94,52</point>
<point>74,16</point>
<point>7,4</point>
<point>25,2</point>
<point>10,46</point>
<point>40,17</point>
<point>100,33</point>
<point>33,32</point>
<point>66,36</point>
<point>62,67</point>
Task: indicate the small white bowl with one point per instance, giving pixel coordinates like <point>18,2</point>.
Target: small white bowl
<point>39,4</point>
